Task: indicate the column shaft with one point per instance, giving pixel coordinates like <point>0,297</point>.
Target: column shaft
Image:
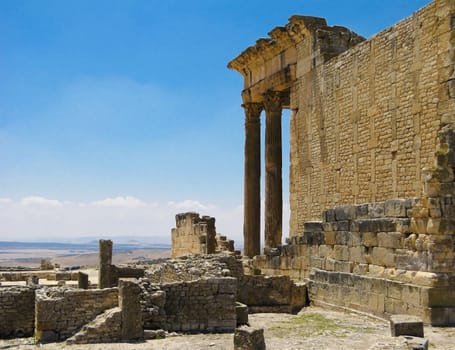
<point>273,170</point>
<point>252,184</point>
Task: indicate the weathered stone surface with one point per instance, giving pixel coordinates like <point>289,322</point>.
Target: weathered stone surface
<point>241,311</point>
<point>105,278</point>
<point>61,312</point>
<point>414,343</point>
<point>197,235</point>
<point>17,305</point>
<point>82,281</point>
<point>247,338</point>
<point>129,303</point>
<point>406,325</point>
<point>200,305</point>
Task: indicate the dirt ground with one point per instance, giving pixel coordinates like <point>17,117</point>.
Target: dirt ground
<point>312,328</point>
<point>34,256</point>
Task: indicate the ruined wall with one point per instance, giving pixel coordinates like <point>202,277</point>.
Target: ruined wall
<point>194,268</point>
<point>382,258</point>
<point>271,294</point>
<point>365,122</point>
<point>47,275</point>
<point>60,313</point>
<point>193,235</point>
<point>17,316</point>
<point>201,305</point>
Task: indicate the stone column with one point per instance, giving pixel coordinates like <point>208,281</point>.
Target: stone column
<point>129,296</point>
<point>252,180</point>
<point>273,164</point>
<point>105,262</point>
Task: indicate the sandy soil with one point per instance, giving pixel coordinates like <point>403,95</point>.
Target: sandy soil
<point>312,328</point>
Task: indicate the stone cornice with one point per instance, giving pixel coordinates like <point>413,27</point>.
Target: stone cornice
<point>281,38</point>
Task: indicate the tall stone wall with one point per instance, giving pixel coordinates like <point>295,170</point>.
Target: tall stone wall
<point>365,123</point>
<point>17,311</point>
<point>193,306</point>
<point>60,313</point>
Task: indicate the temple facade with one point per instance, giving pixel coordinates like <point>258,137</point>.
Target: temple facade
<point>372,158</point>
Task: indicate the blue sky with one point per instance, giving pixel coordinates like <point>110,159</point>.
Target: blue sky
<point>116,115</point>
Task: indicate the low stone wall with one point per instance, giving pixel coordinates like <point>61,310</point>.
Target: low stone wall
<point>271,294</point>
<point>205,305</point>
<point>47,275</point>
<point>60,313</point>
<point>17,316</point>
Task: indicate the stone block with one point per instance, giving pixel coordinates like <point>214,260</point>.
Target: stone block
<point>341,252</point>
<point>299,297</point>
<point>415,343</point>
<point>361,211</point>
<point>377,225</point>
<point>354,239</point>
<point>396,208</point>
<point>129,303</point>
<point>376,210</point>
<point>357,254</point>
<point>390,240</point>
<point>247,338</point>
<point>344,212</point>
<point>328,215</point>
<point>406,325</point>
<point>342,237</point>
<point>383,257</point>
<point>343,266</point>
<point>370,239</point>
<point>241,312</point>
<point>330,237</point>
<point>82,281</point>
<point>312,226</point>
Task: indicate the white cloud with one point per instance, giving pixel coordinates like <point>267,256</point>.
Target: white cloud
<point>36,200</point>
<point>126,201</point>
<point>36,218</point>
<point>189,204</point>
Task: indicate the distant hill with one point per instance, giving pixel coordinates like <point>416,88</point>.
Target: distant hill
<point>89,246</point>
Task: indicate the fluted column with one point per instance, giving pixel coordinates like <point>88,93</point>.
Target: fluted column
<point>252,185</point>
<point>273,164</point>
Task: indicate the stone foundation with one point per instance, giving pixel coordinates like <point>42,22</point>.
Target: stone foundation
<point>375,258</point>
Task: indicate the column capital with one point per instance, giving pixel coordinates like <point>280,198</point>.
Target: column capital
<point>252,112</point>
<point>273,101</point>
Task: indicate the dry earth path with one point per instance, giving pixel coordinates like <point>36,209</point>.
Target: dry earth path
<point>312,328</point>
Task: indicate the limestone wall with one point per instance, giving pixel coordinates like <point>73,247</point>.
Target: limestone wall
<point>193,235</point>
<point>193,268</point>
<point>47,275</point>
<point>365,123</point>
<point>60,313</point>
<point>271,294</point>
<point>201,305</point>
<point>17,315</point>
<point>383,258</point>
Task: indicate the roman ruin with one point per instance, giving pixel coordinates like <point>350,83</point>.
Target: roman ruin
<point>372,198</point>
<point>197,235</point>
<point>371,161</point>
